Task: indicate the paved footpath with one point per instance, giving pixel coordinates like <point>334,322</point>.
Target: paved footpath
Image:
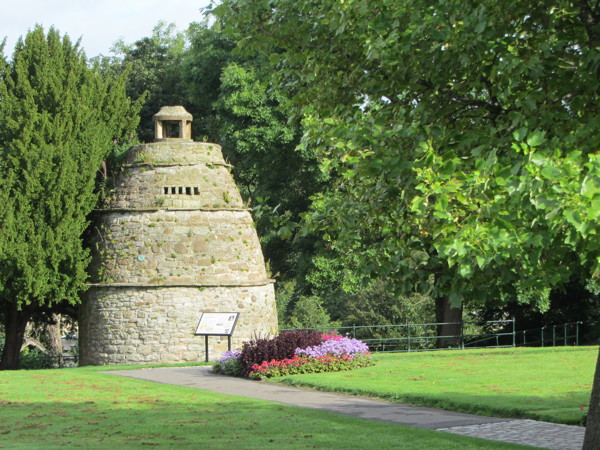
<point>526,432</point>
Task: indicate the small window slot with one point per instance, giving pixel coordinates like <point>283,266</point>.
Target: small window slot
<point>181,189</point>
<point>173,190</point>
<point>166,189</point>
<point>196,190</point>
<point>188,191</point>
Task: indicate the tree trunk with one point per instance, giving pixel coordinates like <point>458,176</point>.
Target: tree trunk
<point>15,324</point>
<point>53,331</point>
<point>444,313</point>
<point>592,426</point>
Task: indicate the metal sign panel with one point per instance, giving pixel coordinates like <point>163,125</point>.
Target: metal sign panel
<point>217,324</point>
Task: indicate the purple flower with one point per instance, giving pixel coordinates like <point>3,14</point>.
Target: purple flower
<point>345,346</point>
<point>233,354</point>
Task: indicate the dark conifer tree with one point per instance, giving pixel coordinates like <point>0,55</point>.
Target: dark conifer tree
<point>59,119</point>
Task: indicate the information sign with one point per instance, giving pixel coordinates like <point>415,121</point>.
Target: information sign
<point>217,324</point>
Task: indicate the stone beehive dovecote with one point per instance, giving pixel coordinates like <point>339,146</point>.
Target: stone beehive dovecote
<point>175,241</point>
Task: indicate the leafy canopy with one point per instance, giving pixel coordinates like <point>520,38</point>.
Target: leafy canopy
<point>463,135</point>
<point>153,65</point>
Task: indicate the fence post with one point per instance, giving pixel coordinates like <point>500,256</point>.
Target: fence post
<point>565,337</point>
<point>553,335</point>
<point>577,333</point>
<point>543,336</point>
<point>408,335</point>
<point>524,338</point>
<point>462,335</point>
<point>514,333</point>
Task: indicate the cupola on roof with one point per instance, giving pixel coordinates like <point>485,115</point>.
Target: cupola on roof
<point>173,123</point>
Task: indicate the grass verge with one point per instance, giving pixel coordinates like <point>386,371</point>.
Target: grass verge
<point>547,384</point>
<point>84,407</point>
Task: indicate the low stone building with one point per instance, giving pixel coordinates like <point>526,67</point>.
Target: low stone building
<point>175,241</point>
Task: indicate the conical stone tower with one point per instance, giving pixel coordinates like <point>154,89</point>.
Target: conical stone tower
<point>175,241</point>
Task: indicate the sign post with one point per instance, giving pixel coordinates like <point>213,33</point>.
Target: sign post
<point>217,324</point>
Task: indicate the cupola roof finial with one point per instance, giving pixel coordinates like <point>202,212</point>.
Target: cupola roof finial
<point>173,123</point>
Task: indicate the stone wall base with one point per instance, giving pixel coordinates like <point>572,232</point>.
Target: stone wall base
<point>133,325</point>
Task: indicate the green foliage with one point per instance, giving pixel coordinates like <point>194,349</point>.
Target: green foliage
<point>284,298</point>
<point>112,166</point>
<point>569,304</point>
<point>232,367</point>
<point>252,127</point>
<point>209,52</point>
<point>295,310</point>
<point>35,359</point>
<point>369,124</point>
<point>378,305</point>
<point>252,124</point>
<point>465,134</point>
<point>59,118</point>
<point>309,312</point>
<point>154,66</point>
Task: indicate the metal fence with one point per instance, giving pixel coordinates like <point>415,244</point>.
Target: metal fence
<point>551,336</point>
<point>488,334</point>
<point>410,337</point>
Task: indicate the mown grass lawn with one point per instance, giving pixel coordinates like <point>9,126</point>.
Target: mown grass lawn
<point>538,383</point>
<point>86,408</point>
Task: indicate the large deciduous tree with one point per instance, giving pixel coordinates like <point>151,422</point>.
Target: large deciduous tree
<point>154,64</point>
<point>464,134</point>
<point>59,119</point>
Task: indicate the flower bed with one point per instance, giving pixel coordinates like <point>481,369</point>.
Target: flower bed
<point>314,352</point>
<point>229,364</point>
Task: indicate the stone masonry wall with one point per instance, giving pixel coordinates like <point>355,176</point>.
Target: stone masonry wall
<point>156,325</point>
<point>175,153</point>
<point>178,247</point>
<point>174,241</point>
<point>161,187</point>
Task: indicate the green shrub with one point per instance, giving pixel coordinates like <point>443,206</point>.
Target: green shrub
<point>309,312</point>
<point>277,348</point>
<point>231,366</point>
<point>36,359</point>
